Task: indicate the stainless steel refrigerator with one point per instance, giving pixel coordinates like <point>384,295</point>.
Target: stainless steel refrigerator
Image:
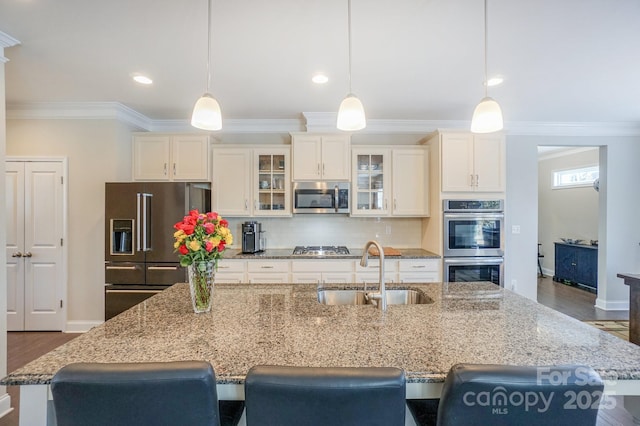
<point>139,257</point>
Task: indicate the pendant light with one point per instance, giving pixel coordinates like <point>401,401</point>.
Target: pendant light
<point>351,112</point>
<point>206,112</point>
<point>487,117</point>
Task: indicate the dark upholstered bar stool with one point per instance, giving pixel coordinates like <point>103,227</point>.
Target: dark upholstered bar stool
<point>475,394</point>
<point>322,396</point>
<point>158,393</point>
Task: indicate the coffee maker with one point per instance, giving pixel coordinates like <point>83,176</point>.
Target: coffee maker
<point>252,237</point>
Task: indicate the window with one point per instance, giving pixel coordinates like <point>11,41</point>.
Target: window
<point>573,178</point>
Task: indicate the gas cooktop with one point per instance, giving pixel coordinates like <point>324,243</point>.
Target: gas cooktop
<point>320,251</point>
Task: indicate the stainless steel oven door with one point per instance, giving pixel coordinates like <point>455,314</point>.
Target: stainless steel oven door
<point>473,234</point>
<point>473,269</point>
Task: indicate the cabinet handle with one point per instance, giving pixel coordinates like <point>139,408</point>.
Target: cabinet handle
<point>318,171</point>
<point>16,254</point>
<point>419,266</point>
<point>165,169</point>
<point>323,169</point>
<point>267,267</point>
<point>246,204</point>
<point>477,181</point>
<point>472,182</point>
<point>386,204</point>
<point>174,168</point>
<point>162,268</point>
<point>395,203</point>
<point>255,204</point>
<point>121,268</point>
<point>27,254</point>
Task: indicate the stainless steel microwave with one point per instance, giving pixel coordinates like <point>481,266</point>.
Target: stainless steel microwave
<point>321,197</point>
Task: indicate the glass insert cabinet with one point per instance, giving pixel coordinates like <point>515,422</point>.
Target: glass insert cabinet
<point>370,185</point>
<point>272,183</point>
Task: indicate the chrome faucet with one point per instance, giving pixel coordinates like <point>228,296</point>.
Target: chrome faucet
<point>382,294</point>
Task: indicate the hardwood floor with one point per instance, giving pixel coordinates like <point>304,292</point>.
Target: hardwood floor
<point>23,347</point>
<point>574,301</point>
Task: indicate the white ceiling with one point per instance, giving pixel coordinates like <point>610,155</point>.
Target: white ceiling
<point>562,60</point>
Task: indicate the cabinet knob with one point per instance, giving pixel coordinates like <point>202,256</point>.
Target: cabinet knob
<point>16,254</point>
<point>28,254</point>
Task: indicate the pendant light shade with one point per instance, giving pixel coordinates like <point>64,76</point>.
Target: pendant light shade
<point>487,117</point>
<point>206,112</point>
<point>351,112</point>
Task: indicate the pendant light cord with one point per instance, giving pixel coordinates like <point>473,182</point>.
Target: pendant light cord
<point>208,46</point>
<point>349,27</point>
<point>486,74</point>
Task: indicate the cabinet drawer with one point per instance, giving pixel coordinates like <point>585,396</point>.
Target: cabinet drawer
<point>322,266</point>
<point>374,264</point>
<point>231,266</point>
<point>268,266</point>
<point>419,265</point>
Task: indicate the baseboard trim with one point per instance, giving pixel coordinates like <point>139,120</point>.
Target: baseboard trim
<point>81,326</point>
<point>5,405</point>
<point>613,305</point>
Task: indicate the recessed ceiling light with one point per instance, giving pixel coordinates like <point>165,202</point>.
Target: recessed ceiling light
<point>495,81</point>
<point>320,78</point>
<point>142,79</point>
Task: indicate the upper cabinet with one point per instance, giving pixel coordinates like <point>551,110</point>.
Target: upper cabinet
<point>321,157</point>
<point>251,181</point>
<point>390,181</point>
<point>472,162</point>
<point>170,157</point>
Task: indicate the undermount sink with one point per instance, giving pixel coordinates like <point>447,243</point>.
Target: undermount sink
<point>357,297</point>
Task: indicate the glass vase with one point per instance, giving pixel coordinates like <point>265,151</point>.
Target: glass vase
<point>201,276</point>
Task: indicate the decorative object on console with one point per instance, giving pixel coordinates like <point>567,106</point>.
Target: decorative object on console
<point>201,238</point>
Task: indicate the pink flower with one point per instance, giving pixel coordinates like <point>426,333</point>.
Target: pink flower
<point>209,228</point>
<point>208,247</point>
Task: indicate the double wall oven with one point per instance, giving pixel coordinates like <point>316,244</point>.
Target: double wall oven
<point>474,241</point>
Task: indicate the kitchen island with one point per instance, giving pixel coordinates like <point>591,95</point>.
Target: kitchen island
<point>284,324</point>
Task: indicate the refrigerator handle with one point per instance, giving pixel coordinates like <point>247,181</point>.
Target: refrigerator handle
<point>146,212</point>
<point>138,196</point>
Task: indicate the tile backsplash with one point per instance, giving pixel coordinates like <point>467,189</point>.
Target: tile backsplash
<point>353,232</point>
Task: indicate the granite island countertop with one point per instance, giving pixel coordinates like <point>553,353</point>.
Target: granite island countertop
<point>252,324</point>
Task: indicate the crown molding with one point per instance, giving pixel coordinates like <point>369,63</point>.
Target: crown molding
<point>6,41</point>
<point>309,121</point>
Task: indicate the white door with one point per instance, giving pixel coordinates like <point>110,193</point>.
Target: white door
<point>35,287</point>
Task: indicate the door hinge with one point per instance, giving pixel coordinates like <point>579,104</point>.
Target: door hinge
<point>61,180</point>
<point>60,303</point>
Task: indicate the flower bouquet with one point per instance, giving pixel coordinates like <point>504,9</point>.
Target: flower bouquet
<point>200,239</point>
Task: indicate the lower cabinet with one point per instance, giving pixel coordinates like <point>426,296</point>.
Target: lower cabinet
<point>419,271</point>
<point>322,271</point>
<point>268,271</point>
<point>576,264</point>
<point>231,272</point>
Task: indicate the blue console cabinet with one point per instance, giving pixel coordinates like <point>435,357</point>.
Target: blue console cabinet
<point>576,264</point>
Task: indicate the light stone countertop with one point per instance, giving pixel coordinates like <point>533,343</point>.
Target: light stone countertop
<point>354,253</point>
<point>252,324</point>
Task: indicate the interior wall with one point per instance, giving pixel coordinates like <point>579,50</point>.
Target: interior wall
<point>303,230</point>
<point>619,233</point>
<point>98,151</point>
<point>566,212</point>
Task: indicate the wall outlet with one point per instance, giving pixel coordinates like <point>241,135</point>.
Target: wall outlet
<point>388,229</point>
<point>515,229</point>
<point>514,284</point>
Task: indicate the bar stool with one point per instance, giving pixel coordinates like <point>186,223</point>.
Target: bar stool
<point>476,394</point>
<point>539,256</point>
<point>320,396</point>
<point>140,394</point>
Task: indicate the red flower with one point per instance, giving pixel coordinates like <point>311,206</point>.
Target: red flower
<point>221,246</point>
<point>212,215</point>
<point>224,223</point>
<point>209,228</point>
<point>188,229</point>
<point>208,246</point>
<point>183,249</point>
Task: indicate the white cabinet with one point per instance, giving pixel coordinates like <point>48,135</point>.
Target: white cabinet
<point>170,157</point>
<point>419,270</point>
<point>390,181</point>
<point>410,185</point>
<point>321,271</point>
<point>472,162</point>
<point>371,273</point>
<point>250,182</point>
<point>321,157</point>
<point>268,271</point>
<point>231,271</point>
